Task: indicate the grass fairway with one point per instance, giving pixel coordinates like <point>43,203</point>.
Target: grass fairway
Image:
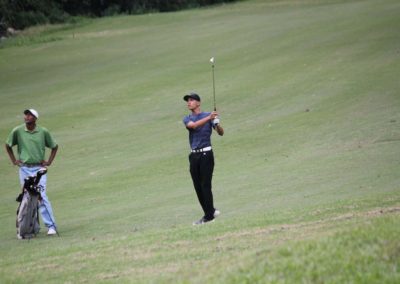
<point>307,175</point>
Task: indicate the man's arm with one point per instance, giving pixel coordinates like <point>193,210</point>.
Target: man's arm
<point>217,126</point>
<point>219,129</point>
<point>51,158</point>
<point>12,156</point>
<point>201,122</point>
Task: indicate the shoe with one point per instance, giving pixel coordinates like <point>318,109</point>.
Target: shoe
<point>51,232</point>
<point>202,221</point>
<point>216,213</point>
<point>19,237</point>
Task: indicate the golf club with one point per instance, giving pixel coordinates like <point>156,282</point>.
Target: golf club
<point>212,60</point>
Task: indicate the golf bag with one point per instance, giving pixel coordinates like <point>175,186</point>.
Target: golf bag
<point>27,213</point>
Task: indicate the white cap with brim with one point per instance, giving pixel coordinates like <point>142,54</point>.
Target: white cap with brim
<point>32,111</point>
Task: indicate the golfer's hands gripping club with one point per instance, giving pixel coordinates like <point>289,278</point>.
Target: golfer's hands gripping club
<point>213,116</point>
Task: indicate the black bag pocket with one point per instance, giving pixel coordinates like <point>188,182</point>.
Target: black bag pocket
<point>19,197</point>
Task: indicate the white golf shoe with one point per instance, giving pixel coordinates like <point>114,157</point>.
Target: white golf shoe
<point>51,232</point>
<point>203,221</point>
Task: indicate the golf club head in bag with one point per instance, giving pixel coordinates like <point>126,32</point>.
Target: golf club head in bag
<point>39,175</point>
<point>29,185</point>
<point>31,182</point>
<point>27,222</point>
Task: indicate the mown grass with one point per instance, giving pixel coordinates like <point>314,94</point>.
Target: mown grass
<point>308,96</point>
<point>366,251</point>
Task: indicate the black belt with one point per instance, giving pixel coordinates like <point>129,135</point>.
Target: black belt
<point>31,165</point>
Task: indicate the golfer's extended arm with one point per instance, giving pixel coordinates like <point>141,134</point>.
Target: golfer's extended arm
<point>201,122</point>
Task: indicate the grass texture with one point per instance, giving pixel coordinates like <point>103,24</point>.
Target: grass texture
<point>307,173</point>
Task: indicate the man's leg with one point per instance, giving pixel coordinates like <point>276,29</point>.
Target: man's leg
<point>207,169</point>
<point>46,211</point>
<point>196,178</point>
<point>24,172</point>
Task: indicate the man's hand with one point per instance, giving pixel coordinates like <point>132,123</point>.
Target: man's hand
<point>51,158</point>
<point>45,163</point>
<point>213,115</point>
<point>214,118</point>
<point>12,157</point>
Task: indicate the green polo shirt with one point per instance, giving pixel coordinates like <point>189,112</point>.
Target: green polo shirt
<point>31,145</point>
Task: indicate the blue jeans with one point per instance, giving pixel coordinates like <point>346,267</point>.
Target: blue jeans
<point>44,205</point>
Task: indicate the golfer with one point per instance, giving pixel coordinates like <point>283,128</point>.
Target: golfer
<point>200,125</point>
<point>31,140</point>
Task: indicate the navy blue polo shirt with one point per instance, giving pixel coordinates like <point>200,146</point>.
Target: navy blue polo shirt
<point>201,136</point>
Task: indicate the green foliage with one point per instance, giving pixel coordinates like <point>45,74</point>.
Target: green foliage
<point>29,18</point>
<point>21,14</point>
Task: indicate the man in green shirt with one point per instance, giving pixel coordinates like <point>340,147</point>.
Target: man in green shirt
<point>31,141</point>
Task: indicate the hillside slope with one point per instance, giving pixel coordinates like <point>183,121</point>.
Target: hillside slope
<point>308,97</point>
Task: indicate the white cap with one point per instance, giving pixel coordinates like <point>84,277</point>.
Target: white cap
<point>212,60</point>
<point>32,111</point>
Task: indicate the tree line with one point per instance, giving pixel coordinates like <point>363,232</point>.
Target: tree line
<point>20,14</point>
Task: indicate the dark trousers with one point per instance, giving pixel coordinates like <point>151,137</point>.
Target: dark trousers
<point>201,170</point>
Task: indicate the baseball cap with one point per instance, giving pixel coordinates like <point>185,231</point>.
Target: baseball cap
<point>192,96</point>
<point>32,111</point>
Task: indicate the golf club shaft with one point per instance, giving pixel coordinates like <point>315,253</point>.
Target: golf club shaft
<point>215,106</point>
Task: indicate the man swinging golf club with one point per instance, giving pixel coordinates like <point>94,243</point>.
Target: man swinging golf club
<point>200,125</point>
